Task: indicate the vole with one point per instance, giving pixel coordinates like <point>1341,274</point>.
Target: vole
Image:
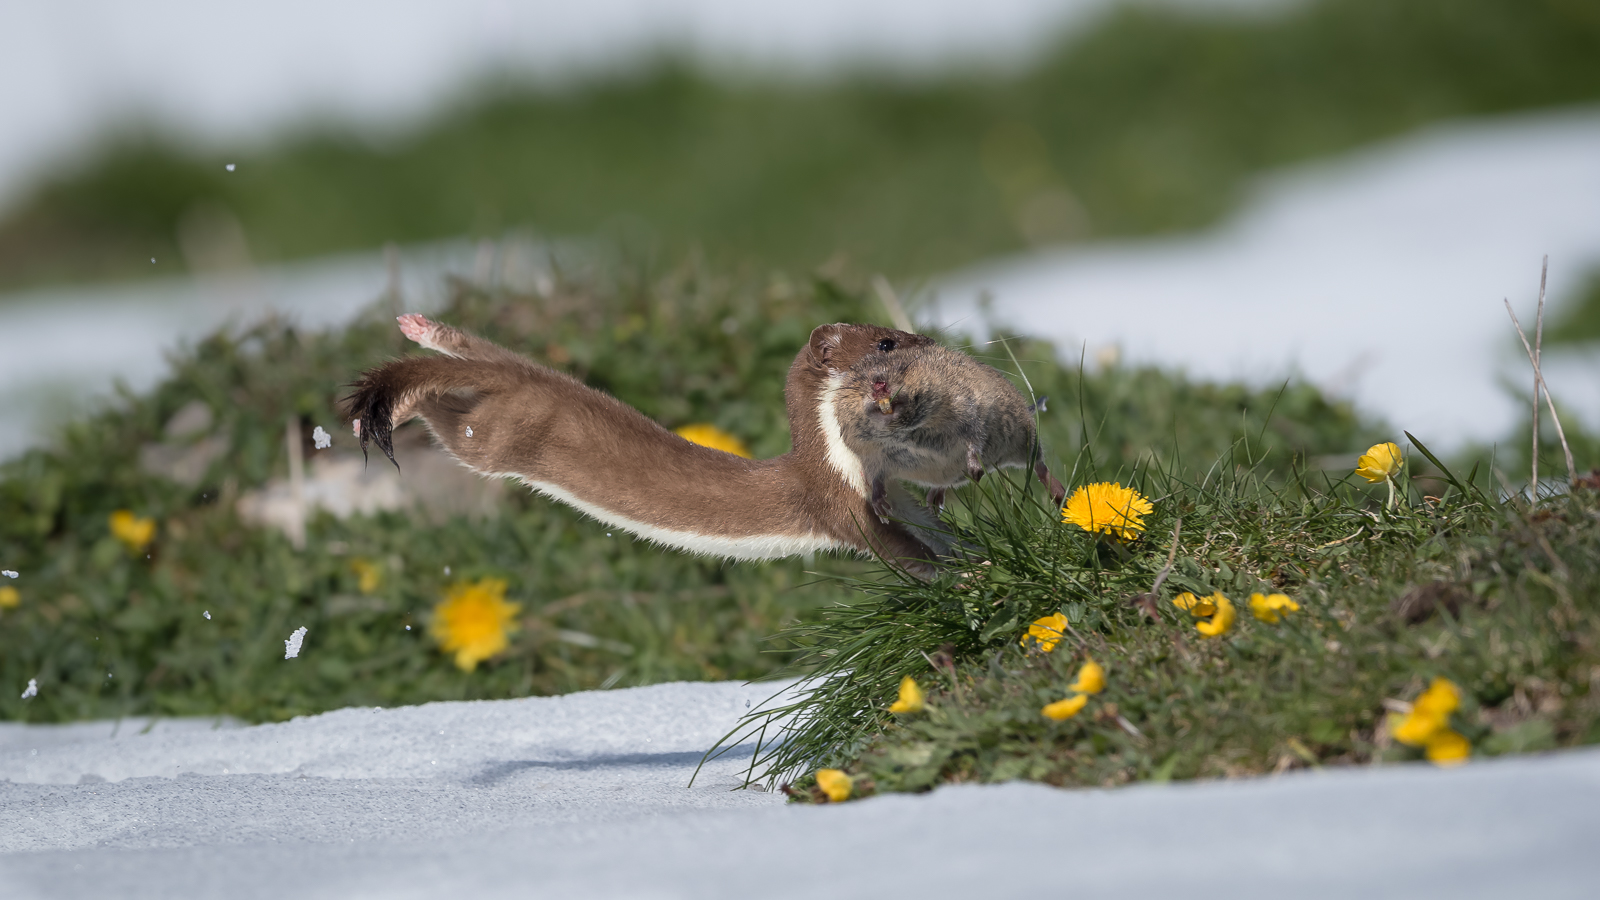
<point>503,415</point>
<point>917,411</point>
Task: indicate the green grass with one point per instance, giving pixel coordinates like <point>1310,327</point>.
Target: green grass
<point>108,632</point>
<point>1513,619</point>
<point>1151,120</point>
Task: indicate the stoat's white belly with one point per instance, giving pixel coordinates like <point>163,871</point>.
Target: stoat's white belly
<point>748,547</point>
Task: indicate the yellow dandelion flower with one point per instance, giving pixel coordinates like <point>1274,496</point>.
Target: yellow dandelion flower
<point>1430,714</point>
<point>1221,622</point>
<point>473,621</point>
<point>1380,463</point>
<point>10,597</point>
<point>910,697</point>
<point>1197,606</point>
<point>1271,608</point>
<point>1216,609</point>
<point>1046,632</point>
<point>1447,748</point>
<point>369,575</point>
<point>1442,697</point>
<point>135,533</point>
<point>708,435</point>
<point>835,784</point>
<point>1062,710</point>
<point>1109,508</point>
<point>1091,679</point>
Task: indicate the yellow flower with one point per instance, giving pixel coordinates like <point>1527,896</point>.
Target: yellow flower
<point>1109,508</point>
<point>473,620</point>
<point>1217,607</point>
<point>1046,632</point>
<point>1197,606</point>
<point>10,597</point>
<point>835,784</point>
<point>1062,710</point>
<point>1271,608</point>
<point>707,435</point>
<point>1447,748</point>
<point>1430,715</point>
<point>1380,463</point>
<point>131,530</point>
<point>368,573</point>
<point>1091,679</point>
<point>1442,698</point>
<point>910,697</point>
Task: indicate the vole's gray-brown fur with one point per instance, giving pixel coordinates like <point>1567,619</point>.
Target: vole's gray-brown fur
<point>916,411</point>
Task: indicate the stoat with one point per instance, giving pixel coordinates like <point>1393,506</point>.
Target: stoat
<point>917,411</point>
<point>503,415</point>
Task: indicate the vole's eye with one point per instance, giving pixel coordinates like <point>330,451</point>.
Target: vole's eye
<point>886,345</point>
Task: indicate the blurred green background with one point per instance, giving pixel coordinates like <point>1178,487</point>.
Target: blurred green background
<point>1149,120</point>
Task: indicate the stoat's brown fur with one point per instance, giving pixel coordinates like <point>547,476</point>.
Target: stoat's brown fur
<point>503,415</point>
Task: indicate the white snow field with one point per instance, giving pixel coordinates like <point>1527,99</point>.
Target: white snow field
<point>1379,276</point>
<point>586,796</point>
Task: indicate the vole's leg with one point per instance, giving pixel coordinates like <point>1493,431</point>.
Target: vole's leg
<point>453,342</point>
<point>935,500</point>
<point>1058,493</point>
<point>974,462</point>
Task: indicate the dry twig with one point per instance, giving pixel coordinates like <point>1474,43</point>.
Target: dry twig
<point>1539,384</point>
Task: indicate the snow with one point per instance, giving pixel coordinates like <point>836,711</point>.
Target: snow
<point>587,795</point>
<point>321,439</point>
<point>9,573</point>
<point>291,647</point>
<point>1379,276</point>
<point>32,690</point>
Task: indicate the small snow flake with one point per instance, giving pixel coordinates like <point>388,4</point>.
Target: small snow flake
<point>9,573</point>
<point>207,614</point>
<point>152,260</point>
<point>321,439</point>
<point>469,431</point>
<point>447,570</point>
<point>32,690</point>
<point>291,647</point>
<point>229,167</point>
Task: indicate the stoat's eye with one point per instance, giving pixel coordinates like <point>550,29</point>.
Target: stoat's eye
<point>886,345</point>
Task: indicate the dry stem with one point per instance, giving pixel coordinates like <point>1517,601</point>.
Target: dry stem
<point>1539,384</point>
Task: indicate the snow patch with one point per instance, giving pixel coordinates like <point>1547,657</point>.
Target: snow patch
<point>291,647</point>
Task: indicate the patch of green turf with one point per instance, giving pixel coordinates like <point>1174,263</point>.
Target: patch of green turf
<point>1151,120</point>
<point>1450,582</point>
<point>111,632</point>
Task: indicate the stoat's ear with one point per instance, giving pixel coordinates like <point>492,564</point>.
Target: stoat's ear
<point>825,341</point>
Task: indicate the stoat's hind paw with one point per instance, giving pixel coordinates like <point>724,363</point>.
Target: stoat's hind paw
<point>417,327</point>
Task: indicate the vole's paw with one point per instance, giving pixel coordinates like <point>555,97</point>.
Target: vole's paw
<point>417,327</point>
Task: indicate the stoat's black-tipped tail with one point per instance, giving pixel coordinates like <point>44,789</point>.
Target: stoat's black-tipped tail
<point>371,405</point>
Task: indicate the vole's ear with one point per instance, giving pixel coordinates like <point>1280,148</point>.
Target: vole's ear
<point>825,340</point>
